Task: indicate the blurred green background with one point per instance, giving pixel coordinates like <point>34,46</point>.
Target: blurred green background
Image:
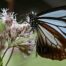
<point>18,60</point>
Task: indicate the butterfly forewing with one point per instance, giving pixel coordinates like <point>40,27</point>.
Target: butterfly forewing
<point>55,12</point>
<point>54,22</point>
<point>59,13</point>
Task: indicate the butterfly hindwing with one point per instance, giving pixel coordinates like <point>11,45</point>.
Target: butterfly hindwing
<point>48,45</point>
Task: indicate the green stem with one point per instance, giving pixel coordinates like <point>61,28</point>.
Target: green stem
<point>10,56</point>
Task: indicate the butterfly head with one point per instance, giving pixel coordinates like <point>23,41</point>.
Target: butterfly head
<point>32,20</point>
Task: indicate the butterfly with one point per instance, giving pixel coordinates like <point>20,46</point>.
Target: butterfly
<point>50,26</point>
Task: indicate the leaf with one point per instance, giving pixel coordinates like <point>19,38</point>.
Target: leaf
<point>2,26</point>
<point>1,64</point>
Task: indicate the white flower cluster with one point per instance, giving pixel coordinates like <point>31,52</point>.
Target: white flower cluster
<point>18,35</point>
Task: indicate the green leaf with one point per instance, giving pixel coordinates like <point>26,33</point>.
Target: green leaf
<point>1,64</point>
<point>2,26</point>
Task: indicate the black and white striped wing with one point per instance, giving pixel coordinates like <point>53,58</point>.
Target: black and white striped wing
<point>51,41</point>
<point>55,12</point>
